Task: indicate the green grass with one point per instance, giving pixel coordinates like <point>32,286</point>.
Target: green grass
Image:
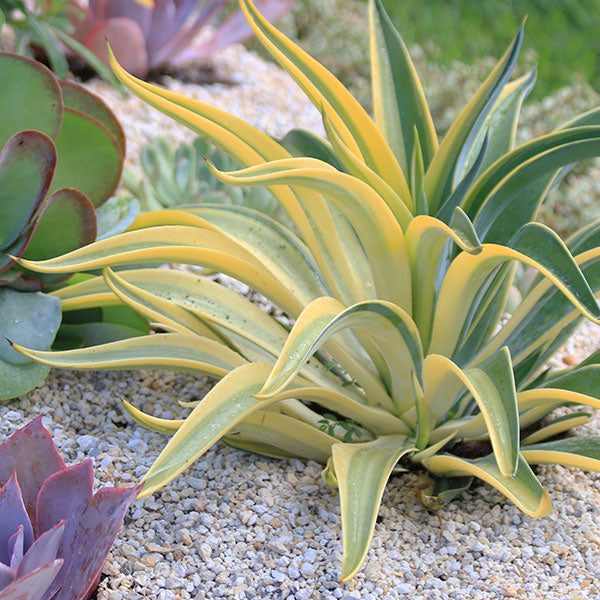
<point>563,33</point>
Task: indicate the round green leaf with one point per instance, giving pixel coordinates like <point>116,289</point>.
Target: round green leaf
<point>30,97</point>
<point>89,158</point>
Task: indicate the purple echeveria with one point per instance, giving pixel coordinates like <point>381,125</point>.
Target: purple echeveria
<point>145,38</point>
<point>55,532</point>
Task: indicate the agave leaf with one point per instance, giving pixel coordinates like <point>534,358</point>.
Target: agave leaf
<point>524,489</point>
<point>399,101</point>
<point>301,142</point>
<point>502,122</point>
<point>150,422</point>
<point>446,168</point>
<point>28,318</point>
<point>556,427</point>
<point>400,206</point>
<point>365,209</point>
<point>27,162</point>
<point>426,240</point>
<point>515,201</point>
<point>535,245</point>
<point>159,310</point>
<point>362,470</point>
<point>356,127</point>
<point>249,146</point>
<point>166,351</point>
<point>34,104</point>
<point>77,97</point>
<point>391,328</point>
<point>492,385</point>
<point>190,245</point>
<point>580,451</point>
<point>230,401</point>
<point>524,154</point>
<point>89,157</point>
<point>285,433</point>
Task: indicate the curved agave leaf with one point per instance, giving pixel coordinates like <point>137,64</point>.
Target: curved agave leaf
<point>492,386</point>
<point>426,240</point>
<point>376,226</point>
<point>501,124</point>
<point>500,170</point>
<point>446,168</point>
<point>400,107</point>
<point>523,489</point>
<point>358,130</point>
<point>249,146</point>
<point>229,402</point>
<point>165,351</point>
<point>515,201</point>
<point>535,245</point>
<point>191,245</point>
<point>362,470</point>
<point>391,328</point>
<point>400,206</point>
<point>556,427</point>
<point>580,451</point>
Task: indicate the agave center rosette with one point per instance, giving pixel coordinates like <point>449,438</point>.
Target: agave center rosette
<point>55,532</point>
<point>395,277</point>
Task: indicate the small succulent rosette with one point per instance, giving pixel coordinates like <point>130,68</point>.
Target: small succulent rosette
<point>55,532</point>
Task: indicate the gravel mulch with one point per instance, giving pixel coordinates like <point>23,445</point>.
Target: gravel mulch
<point>241,526</point>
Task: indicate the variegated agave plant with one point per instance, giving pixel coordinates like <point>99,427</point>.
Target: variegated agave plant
<point>396,283</point>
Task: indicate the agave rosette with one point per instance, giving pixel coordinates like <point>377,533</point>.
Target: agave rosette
<point>396,284</point>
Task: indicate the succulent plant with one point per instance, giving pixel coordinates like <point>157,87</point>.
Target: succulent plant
<point>55,532</point>
<point>178,177</point>
<point>62,155</point>
<point>163,34</point>
<point>396,285</point>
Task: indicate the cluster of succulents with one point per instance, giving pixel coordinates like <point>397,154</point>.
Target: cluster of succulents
<point>396,276</point>
<point>61,160</point>
<point>156,35</point>
<point>181,176</point>
<point>55,532</point>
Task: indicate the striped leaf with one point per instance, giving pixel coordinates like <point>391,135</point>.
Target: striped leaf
<point>580,451</point>
<point>362,470</point>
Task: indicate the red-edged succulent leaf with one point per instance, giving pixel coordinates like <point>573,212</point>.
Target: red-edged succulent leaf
<point>89,157</point>
<point>33,585</point>
<point>77,97</point>
<point>27,163</point>
<point>97,530</point>
<point>7,576</point>
<point>13,514</point>
<point>111,9</point>
<point>35,103</point>
<point>43,551</point>
<point>126,40</point>
<point>16,547</point>
<point>67,222</point>
<point>30,452</point>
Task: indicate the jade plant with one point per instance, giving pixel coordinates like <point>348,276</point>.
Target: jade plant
<point>396,285</point>
<point>62,155</point>
<point>180,176</point>
<point>55,532</point>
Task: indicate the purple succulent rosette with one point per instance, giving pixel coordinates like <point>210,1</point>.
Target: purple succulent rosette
<point>55,532</point>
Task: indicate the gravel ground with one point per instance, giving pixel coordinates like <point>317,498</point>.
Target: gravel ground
<point>241,526</point>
